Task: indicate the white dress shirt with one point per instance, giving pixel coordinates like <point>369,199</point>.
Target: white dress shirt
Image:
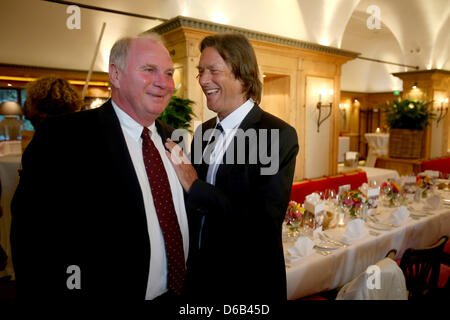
<point>230,125</point>
<point>157,279</point>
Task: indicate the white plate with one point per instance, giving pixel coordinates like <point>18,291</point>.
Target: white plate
<point>325,246</point>
<point>378,226</point>
<point>429,210</point>
<point>418,214</point>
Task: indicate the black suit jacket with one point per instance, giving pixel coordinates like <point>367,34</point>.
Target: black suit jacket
<point>241,253</point>
<point>79,203</point>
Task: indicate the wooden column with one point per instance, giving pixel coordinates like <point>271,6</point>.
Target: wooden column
<point>288,64</point>
<point>430,85</point>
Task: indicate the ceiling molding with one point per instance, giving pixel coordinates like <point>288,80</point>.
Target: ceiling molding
<point>422,72</point>
<point>188,22</point>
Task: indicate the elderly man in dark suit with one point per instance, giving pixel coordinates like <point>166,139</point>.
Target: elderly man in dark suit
<point>239,191</point>
<point>99,211</point>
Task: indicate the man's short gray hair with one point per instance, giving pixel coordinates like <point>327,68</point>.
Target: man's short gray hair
<point>119,50</point>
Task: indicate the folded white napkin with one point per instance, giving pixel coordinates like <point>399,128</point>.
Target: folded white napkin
<point>355,231</point>
<point>303,247</point>
<point>434,201</point>
<point>399,216</point>
<point>432,173</point>
<point>317,232</point>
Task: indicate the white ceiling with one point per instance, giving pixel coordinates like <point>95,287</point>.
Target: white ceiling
<point>413,32</point>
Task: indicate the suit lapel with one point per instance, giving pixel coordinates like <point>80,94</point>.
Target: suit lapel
<point>119,157</point>
<point>201,167</point>
<point>163,130</point>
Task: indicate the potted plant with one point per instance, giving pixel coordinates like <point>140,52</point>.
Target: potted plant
<point>178,113</point>
<point>407,120</point>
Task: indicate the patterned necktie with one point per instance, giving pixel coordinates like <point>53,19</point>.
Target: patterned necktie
<point>165,210</point>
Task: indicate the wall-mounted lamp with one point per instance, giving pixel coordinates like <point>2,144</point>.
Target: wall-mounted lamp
<point>442,110</point>
<point>415,85</point>
<point>11,126</point>
<point>323,93</point>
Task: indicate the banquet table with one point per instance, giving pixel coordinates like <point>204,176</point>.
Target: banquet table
<point>379,175</point>
<point>9,179</point>
<point>318,273</point>
<point>378,146</point>
<point>12,147</point>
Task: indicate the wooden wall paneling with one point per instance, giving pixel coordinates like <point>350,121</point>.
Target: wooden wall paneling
<point>276,96</point>
<point>300,122</point>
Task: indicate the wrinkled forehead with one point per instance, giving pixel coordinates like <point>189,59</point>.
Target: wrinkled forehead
<point>147,50</point>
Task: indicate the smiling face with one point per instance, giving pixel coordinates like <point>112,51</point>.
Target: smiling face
<point>223,91</point>
<point>144,87</point>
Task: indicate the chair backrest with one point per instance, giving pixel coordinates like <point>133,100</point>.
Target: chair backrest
<point>439,164</point>
<point>301,189</point>
<point>421,268</point>
<point>390,284</point>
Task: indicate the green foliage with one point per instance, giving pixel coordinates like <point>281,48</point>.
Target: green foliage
<point>178,113</point>
<point>409,114</point>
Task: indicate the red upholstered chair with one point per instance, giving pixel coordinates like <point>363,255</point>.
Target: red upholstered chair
<point>439,164</point>
<point>336,181</point>
<point>300,190</point>
<point>303,188</point>
<point>356,179</point>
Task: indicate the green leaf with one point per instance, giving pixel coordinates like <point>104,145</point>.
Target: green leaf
<point>178,113</point>
<point>409,114</point>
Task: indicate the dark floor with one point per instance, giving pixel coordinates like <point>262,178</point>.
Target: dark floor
<point>7,289</point>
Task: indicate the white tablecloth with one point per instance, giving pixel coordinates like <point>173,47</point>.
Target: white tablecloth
<point>13,147</point>
<point>9,179</point>
<point>379,175</point>
<point>344,146</point>
<point>378,146</point>
<point>317,273</point>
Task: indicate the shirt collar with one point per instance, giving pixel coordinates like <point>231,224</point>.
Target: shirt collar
<point>131,127</point>
<point>235,118</point>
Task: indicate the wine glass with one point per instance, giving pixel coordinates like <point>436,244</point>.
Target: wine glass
<point>331,197</point>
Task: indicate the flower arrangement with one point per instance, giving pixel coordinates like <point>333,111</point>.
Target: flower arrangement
<point>392,191</point>
<point>353,199</point>
<point>425,183</point>
<point>294,212</point>
<point>293,217</point>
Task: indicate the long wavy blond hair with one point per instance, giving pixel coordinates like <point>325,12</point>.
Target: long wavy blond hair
<point>50,96</point>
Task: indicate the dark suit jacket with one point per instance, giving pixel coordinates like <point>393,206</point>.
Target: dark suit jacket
<point>79,203</point>
<point>241,252</point>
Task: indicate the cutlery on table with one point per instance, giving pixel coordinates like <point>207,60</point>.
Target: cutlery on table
<point>375,220</point>
<point>323,236</point>
<point>322,252</point>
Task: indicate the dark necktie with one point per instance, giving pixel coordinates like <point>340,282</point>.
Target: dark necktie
<point>208,150</point>
<point>165,210</point>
